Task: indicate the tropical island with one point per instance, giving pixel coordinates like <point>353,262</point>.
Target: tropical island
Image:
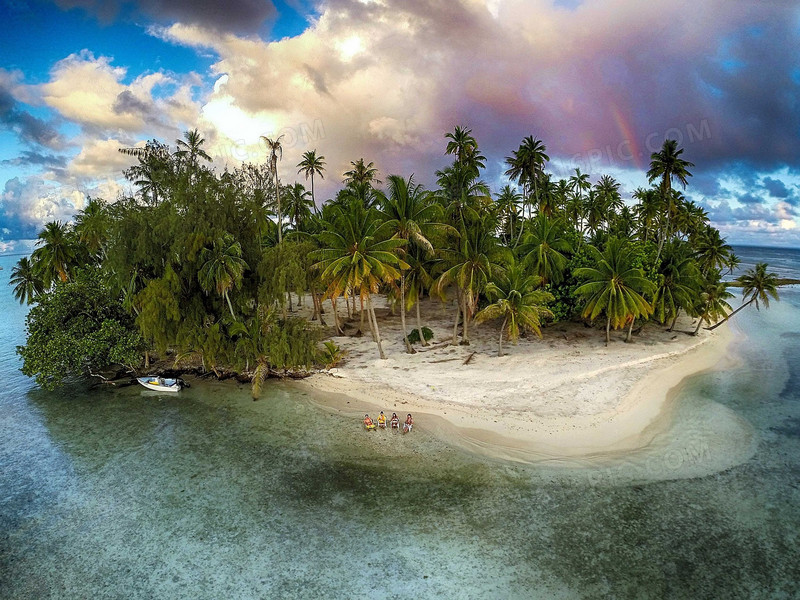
<point>498,307</point>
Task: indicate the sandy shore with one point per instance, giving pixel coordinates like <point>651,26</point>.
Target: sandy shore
<point>563,396</point>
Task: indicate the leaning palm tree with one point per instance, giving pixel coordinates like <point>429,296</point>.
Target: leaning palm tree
<point>312,165</point>
<point>354,259</point>
<point>26,281</point>
<point>713,305</point>
<point>222,268</point>
<point>517,300</point>
<point>757,286</point>
<point>275,154</point>
<point>615,287</point>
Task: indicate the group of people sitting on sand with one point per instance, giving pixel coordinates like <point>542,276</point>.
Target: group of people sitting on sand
<point>394,422</point>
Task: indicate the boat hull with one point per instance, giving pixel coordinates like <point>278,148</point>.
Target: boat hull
<point>160,385</point>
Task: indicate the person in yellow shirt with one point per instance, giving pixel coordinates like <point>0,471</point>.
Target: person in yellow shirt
<point>368,423</point>
<point>382,420</point>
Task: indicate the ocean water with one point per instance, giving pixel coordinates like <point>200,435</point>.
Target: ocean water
<point>125,493</point>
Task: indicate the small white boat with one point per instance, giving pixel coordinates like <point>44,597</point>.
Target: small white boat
<point>159,384</point>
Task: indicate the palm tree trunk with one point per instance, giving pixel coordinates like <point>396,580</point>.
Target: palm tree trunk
<point>313,198</point>
<point>347,305</point>
<point>146,359</point>
<point>699,323</point>
<point>375,324</point>
<point>458,313</point>
<point>336,317</point>
<point>608,330</point>
<point>419,322</point>
<point>361,313</point>
<point>630,329</point>
<point>672,325</point>
<point>748,303</point>
<point>464,311</point>
<point>278,201</point>
<point>290,301</point>
<point>409,349</point>
<point>502,329</point>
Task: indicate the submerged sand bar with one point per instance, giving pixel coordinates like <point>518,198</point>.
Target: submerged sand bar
<point>565,395</point>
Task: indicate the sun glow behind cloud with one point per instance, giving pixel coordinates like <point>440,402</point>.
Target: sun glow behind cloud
<point>600,82</point>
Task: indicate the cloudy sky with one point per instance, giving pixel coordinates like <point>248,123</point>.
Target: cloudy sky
<point>601,82</point>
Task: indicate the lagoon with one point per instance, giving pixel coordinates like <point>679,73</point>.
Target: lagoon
<point>125,493</point>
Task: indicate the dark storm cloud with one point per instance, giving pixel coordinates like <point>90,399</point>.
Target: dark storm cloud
<point>234,16</point>
<point>30,158</point>
<point>775,188</point>
<point>750,199</point>
<point>30,129</point>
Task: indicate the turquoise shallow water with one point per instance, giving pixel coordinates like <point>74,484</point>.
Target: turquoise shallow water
<point>131,494</point>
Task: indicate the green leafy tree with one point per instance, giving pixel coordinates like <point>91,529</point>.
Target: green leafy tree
<point>77,329</point>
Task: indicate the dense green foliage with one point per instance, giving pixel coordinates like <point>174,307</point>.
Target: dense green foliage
<point>209,267</point>
<point>77,328</point>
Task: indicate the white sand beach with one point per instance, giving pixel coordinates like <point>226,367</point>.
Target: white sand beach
<point>564,395</point>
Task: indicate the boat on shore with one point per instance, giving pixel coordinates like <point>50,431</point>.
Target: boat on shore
<point>160,384</point>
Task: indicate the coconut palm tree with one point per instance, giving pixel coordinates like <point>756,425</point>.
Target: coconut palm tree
<point>298,204</point>
<point>222,268</point>
<point>410,215</point>
<point>667,165</point>
<point>55,253</point>
<point>312,165</point>
<point>526,166</point>
<point>578,184</point>
<point>92,226</point>
<point>462,144</point>
<point>275,154</point>
<point>508,210</point>
<point>191,149</point>
<point>26,281</point>
<point>648,210</point>
<point>615,286</point>
<point>678,283</point>
<point>361,173</point>
<point>757,286</point>
<point>472,263</point>
<point>608,196</point>
<point>713,302</point>
<point>711,251</point>
<point>515,298</point>
<point>544,248</point>
<point>354,259</point>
